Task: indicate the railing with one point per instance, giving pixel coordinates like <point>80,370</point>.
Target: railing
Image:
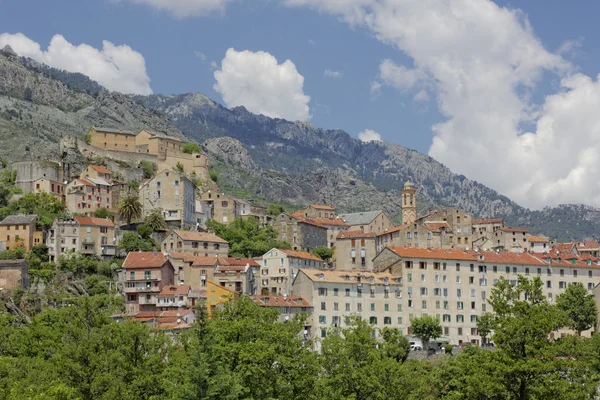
<point>139,289</point>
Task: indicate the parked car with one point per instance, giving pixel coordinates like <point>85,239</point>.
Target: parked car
<point>415,347</point>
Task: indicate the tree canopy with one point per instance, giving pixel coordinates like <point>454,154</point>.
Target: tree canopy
<point>579,306</point>
<point>191,147</point>
<point>246,237</point>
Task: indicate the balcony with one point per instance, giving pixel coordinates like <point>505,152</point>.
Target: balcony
<point>87,241</point>
<point>109,250</point>
<point>87,251</point>
<point>142,289</point>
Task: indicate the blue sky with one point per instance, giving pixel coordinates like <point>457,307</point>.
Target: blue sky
<point>316,38</point>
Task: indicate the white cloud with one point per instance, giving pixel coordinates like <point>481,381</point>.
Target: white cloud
<point>482,62</point>
<point>333,74</point>
<point>214,65</point>
<point>186,8</point>
<point>421,95</point>
<point>118,68</point>
<point>375,88</point>
<point>369,135</point>
<point>256,81</point>
<point>200,55</point>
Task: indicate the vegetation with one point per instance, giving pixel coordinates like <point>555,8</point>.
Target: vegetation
<point>246,237</point>
<point>138,241</point>
<point>213,176</point>
<point>180,167</point>
<point>44,205</point>
<point>275,209</point>
<point>485,324</point>
<point>579,306</point>
<point>191,147</point>
<point>426,328</point>
<point>87,138</point>
<point>102,213</point>
<point>156,220</point>
<point>323,252</point>
<point>149,168</point>
<point>130,209</point>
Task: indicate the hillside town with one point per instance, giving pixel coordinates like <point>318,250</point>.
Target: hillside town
<point>329,265</point>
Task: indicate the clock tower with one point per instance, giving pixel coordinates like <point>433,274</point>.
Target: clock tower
<point>409,203</point>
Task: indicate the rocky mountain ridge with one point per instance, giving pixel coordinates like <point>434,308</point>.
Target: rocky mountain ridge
<point>255,156</point>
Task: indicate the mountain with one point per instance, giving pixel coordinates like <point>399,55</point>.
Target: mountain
<point>255,156</point>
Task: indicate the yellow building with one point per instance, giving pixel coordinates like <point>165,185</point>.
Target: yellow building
<point>156,143</point>
<point>20,231</point>
<point>50,186</point>
<point>216,294</point>
<point>96,171</point>
<point>112,139</point>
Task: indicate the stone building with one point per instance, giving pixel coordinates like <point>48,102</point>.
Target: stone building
<point>84,235</point>
<point>368,221</point>
<point>203,244</point>
<point>20,231</point>
<point>278,269</point>
<point>300,233</point>
<point>510,239</point>
<point>13,274</point>
<point>145,275</point>
<point>409,203</point>
<point>355,250</point>
<point>219,206</point>
<point>112,139</point>
<point>28,172</point>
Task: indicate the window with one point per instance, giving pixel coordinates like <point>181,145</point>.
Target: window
<point>387,320</point>
<point>423,291</point>
<point>347,292</point>
<point>457,267</point>
<point>409,277</point>
<point>373,320</point>
<point>459,305</point>
<point>323,305</point>
<point>132,276</point>
<point>372,306</point>
<point>495,268</point>
<point>548,284</point>
<point>347,307</point>
<point>424,304</point>
<point>472,305</point>
<point>514,270</point>
<point>322,291</point>
<point>335,291</point>
<point>147,275</point>
<point>562,272</point>
<point>460,318</point>
<point>471,280</point>
<point>474,318</point>
<point>372,291</point>
<point>386,307</point>
<point>446,318</point>
<point>508,270</point>
<point>445,305</point>
<point>526,271</point>
<point>399,307</point>
<point>359,307</point>
<point>561,285</point>
<point>322,319</point>
<point>574,272</point>
<point>335,307</point>
<point>437,304</point>
<point>589,274</point>
<point>458,279</point>
<point>410,303</point>
<point>422,277</point>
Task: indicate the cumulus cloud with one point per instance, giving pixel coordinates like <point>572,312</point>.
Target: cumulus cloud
<point>118,68</point>
<point>482,62</point>
<point>369,135</point>
<point>258,82</point>
<point>186,8</point>
<point>421,95</point>
<point>333,74</point>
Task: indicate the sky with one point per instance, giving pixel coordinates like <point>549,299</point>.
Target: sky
<point>505,93</point>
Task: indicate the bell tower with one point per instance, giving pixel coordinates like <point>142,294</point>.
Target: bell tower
<point>409,203</point>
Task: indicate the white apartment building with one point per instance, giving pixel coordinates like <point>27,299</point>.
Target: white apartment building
<point>278,268</point>
<point>336,294</point>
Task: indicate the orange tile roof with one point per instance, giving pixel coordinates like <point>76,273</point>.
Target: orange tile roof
<point>300,254</point>
<point>298,214</point>
<point>510,258</point>
<point>510,229</point>
<point>205,261</point>
<point>487,221</point>
<point>200,236</point>
<point>436,225</point>
<point>333,276</point>
<point>144,259</point>
<point>329,221</point>
<point>86,183</point>
<point>563,247</point>
<point>393,230</point>
<point>355,235</point>
<point>538,239</point>
<point>321,207</point>
<point>280,301</point>
<point>94,221</point>
<point>588,245</point>
<point>174,290</point>
<point>101,169</point>
<point>240,261</point>
<point>182,255</point>
<point>419,252</point>
<point>309,221</point>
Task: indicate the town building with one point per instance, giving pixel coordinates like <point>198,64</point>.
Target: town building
<point>278,268</point>
<point>245,210</point>
<point>175,194</point>
<point>84,235</point>
<point>300,233</point>
<point>409,203</point>
<point>236,274</point>
<point>511,239</point>
<point>50,186</point>
<point>588,248</point>
<point>459,230</point>
<point>20,230</point>
<point>30,171</point>
<point>287,306</point>
<point>217,296</point>
<point>220,206</point>
<point>427,234</point>
<point>337,294</point>
<point>169,321</point>
<point>197,243</point>
<point>538,244</point>
<point>334,225</point>
<point>486,227</point>
<point>14,274</point>
<point>318,211</point>
<point>199,272</point>
<point>150,142</point>
<point>96,171</point>
<point>86,196</point>
<point>145,275</point>
<point>368,221</point>
<point>355,250</point>
<point>175,297</point>
<point>112,139</point>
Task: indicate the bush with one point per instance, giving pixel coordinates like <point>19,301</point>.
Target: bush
<point>180,167</point>
<point>190,148</point>
<point>213,176</point>
<point>102,213</point>
<point>448,349</point>
<point>87,138</point>
<point>149,168</point>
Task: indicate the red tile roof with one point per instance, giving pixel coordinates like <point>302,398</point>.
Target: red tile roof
<point>205,261</point>
<point>510,258</point>
<point>418,252</point>
<point>510,229</point>
<point>563,247</point>
<point>321,207</point>
<point>199,236</point>
<point>355,235</point>
<point>393,230</point>
<point>487,221</point>
<point>94,221</point>
<point>182,255</point>
<point>174,290</point>
<point>101,169</point>
<point>300,254</point>
<point>436,225</point>
<point>588,245</point>
<point>240,261</point>
<point>329,221</point>
<point>144,259</point>
<point>538,239</point>
<point>280,301</point>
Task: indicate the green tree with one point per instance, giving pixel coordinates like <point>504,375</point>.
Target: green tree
<point>102,213</point>
<point>213,176</point>
<point>485,325</point>
<point>579,306</point>
<point>156,221</point>
<point>44,205</point>
<point>180,167</point>
<point>149,168</point>
<point>275,209</point>
<point>130,209</point>
<point>87,138</point>
<point>246,237</point>
<point>132,241</point>
<point>426,328</point>
<point>144,231</point>
<point>395,345</point>
<point>323,252</point>
<point>191,147</point>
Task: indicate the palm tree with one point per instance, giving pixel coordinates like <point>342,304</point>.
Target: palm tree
<point>156,221</point>
<point>130,208</point>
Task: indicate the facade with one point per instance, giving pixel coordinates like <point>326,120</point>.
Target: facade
<point>199,272</point>
<point>219,206</point>
<point>20,231</point>
<point>246,210</point>
<point>426,235</point>
<point>369,221</point>
<point>337,294</point>
<point>409,203</point>
<point>216,296</point>
<point>355,250</point>
<point>319,211</point>
<point>486,227</point>
<point>28,172</point>
<point>460,228</point>
<point>112,139</point>
<point>455,285</point>
<point>511,239</point>
<point>175,194</point>
<point>278,269</point>
<point>85,196</point>
<point>150,142</point>
<point>538,244</point>
<point>84,235</point>
<point>301,233</point>
<point>145,276</point>
<point>174,297</point>
<point>50,186</point>
<point>203,244</point>
<point>96,171</point>
<point>14,274</point>
<point>588,248</point>
<point>236,274</point>
<point>288,306</point>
